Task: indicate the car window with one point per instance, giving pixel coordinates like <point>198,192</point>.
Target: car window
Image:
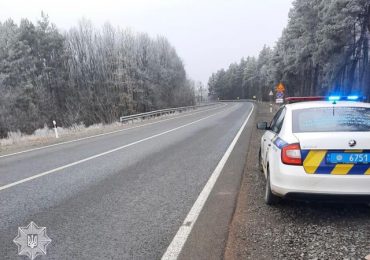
<point>276,120</point>
<point>279,121</point>
<point>331,119</point>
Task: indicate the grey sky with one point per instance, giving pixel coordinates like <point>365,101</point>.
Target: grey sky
<point>208,34</point>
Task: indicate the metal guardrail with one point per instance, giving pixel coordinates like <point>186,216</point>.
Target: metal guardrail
<point>161,112</point>
<point>238,100</point>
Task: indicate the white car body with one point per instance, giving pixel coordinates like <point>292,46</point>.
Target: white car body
<point>315,176</point>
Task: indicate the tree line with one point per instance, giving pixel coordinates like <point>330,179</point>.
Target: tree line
<point>85,75</point>
<point>323,50</point>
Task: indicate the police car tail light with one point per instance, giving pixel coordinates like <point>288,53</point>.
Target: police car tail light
<point>291,154</point>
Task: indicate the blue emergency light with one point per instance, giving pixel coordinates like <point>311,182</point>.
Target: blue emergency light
<point>348,98</point>
<point>334,98</point>
<point>353,97</point>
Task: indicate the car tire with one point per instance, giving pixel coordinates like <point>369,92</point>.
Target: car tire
<point>270,198</point>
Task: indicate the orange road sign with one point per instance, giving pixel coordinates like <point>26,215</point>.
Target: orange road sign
<point>280,87</point>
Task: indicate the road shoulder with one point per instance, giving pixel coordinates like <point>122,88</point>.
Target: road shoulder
<point>207,239</point>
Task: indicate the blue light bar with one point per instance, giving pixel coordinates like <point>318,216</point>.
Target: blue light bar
<point>334,98</point>
<point>353,97</point>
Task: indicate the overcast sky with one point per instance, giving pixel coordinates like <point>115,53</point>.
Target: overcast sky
<point>207,34</point>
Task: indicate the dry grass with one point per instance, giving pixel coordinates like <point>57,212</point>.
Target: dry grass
<point>47,135</point>
<point>43,134</point>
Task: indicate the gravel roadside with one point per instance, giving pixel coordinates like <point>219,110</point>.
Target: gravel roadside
<point>292,230</point>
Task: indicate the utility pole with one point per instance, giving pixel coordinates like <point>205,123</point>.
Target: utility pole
<point>201,92</point>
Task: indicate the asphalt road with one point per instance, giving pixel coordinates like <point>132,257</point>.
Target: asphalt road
<point>118,196</point>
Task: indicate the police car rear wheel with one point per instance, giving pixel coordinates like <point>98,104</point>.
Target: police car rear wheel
<point>270,198</point>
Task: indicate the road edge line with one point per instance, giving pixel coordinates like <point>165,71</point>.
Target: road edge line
<point>174,249</point>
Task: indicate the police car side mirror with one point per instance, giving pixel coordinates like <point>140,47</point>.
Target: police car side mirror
<point>262,126</point>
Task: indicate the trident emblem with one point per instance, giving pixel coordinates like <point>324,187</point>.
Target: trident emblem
<point>32,241</point>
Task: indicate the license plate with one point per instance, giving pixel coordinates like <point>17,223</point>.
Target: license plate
<point>348,158</point>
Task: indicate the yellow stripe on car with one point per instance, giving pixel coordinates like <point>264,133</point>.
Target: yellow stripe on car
<point>342,169</point>
<point>313,160</point>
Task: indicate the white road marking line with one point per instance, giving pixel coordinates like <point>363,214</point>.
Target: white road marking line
<point>103,134</point>
<point>7,186</point>
<point>174,249</point>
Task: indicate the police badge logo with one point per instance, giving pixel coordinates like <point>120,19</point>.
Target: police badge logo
<point>352,143</point>
<point>32,240</point>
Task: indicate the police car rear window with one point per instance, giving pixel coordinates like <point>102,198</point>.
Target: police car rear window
<point>331,119</point>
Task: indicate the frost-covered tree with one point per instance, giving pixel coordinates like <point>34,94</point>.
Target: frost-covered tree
<point>86,75</point>
<point>324,49</point>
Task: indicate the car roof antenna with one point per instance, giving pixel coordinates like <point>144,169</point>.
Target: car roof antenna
<point>334,103</point>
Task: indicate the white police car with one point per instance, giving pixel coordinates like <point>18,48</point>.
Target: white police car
<point>317,149</point>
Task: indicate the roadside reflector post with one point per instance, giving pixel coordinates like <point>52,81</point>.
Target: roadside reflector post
<point>55,129</point>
